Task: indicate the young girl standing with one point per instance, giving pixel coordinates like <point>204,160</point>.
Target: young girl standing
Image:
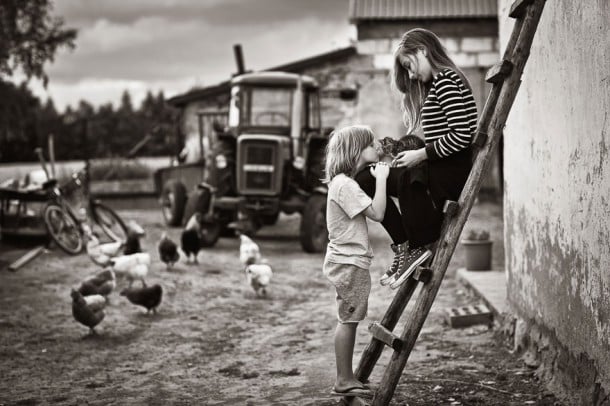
<point>438,99</point>
<point>349,254</point>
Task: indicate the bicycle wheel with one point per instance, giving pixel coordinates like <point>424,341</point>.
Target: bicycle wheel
<point>109,221</point>
<point>63,229</point>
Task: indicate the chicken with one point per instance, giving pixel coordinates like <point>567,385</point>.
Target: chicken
<point>101,253</point>
<point>259,277</point>
<point>148,297</point>
<point>103,283</point>
<point>88,310</point>
<point>134,233</point>
<point>132,267</point>
<point>168,251</point>
<point>191,237</point>
<point>249,252</point>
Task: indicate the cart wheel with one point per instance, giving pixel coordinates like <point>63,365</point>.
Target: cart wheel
<point>109,221</point>
<point>63,229</point>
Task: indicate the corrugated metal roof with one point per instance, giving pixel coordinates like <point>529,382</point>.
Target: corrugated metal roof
<point>416,9</point>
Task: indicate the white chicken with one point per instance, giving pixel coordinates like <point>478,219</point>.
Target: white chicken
<point>101,253</point>
<point>132,267</point>
<point>259,277</point>
<point>249,252</point>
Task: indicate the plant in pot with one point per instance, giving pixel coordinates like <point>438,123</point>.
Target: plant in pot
<point>477,246</point>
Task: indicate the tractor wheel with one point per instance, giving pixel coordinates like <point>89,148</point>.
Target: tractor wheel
<point>314,233</point>
<point>173,200</point>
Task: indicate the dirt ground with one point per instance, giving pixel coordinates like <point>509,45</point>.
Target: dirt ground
<point>214,342</point>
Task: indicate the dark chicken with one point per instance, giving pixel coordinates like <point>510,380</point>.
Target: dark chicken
<point>148,297</point>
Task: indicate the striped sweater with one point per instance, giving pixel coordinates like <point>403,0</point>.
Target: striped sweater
<point>449,116</point>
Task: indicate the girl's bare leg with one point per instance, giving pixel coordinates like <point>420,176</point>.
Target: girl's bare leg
<point>345,337</point>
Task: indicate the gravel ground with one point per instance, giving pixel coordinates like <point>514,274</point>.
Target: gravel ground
<point>215,342</point>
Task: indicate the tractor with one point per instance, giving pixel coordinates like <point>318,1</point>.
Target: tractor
<point>266,159</point>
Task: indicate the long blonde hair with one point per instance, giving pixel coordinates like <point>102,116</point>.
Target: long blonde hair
<point>344,149</point>
<point>415,92</point>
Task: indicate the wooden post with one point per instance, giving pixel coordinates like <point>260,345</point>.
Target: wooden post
<point>25,258</point>
<point>52,155</point>
<point>452,228</point>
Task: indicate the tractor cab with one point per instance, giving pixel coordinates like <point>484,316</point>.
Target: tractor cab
<point>273,101</point>
<point>276,103</point>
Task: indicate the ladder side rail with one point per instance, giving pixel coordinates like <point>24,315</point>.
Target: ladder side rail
<point>494,93</point>
<point>373,350</point>
<point>452,229</point>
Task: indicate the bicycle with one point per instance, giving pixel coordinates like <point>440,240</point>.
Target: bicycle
<point>62,222</point>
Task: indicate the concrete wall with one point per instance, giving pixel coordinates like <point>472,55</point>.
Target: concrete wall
<point>557,197</point>
<point>473,54</point>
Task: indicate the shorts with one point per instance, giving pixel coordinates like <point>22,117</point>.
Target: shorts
<point>353,286</point>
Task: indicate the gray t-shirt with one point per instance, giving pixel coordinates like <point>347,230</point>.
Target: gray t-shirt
<point>348,232</point>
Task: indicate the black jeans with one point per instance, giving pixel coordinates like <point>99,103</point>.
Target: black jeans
<point>421,198</point>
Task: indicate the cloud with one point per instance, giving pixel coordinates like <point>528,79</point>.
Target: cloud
<point>139,43</point>
<point>216,12</point>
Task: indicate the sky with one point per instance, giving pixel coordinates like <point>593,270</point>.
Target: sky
<point>174,45</point>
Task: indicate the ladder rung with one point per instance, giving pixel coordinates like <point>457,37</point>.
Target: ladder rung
<point>499,71</point>
<point>450,208</point>
<point>517,9</point>
<point>385,336</point>
<point>480,138</point>
<point>422,274</point>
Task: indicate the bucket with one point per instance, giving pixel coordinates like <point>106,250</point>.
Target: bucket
<point>478,254</point>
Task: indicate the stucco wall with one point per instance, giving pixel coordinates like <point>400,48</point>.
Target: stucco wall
<point>557,181</point>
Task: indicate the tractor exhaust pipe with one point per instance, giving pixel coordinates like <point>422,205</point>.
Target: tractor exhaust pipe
<point>239,59</point>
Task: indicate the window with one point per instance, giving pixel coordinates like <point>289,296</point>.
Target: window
<point>266,107</point>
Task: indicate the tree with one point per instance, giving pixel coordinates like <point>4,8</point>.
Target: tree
<point>18,122</point>
<point>126,106</point>
<point>30,36</point>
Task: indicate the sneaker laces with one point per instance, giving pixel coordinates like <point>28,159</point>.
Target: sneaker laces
<point>399,258</point>
<point>412,255</point>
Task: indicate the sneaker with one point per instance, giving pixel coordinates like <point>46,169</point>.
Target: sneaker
<point>415,258</point>
<point>400,257</point>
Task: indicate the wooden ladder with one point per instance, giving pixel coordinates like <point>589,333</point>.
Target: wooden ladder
<point>505,78</point>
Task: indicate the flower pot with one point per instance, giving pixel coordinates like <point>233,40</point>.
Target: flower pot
<point>478,254</point>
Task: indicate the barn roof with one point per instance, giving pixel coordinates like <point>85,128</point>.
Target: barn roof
<point>362,10</point>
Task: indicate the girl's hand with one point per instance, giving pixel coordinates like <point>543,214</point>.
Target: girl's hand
<point>381,170</point>
<point>409,159</point>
